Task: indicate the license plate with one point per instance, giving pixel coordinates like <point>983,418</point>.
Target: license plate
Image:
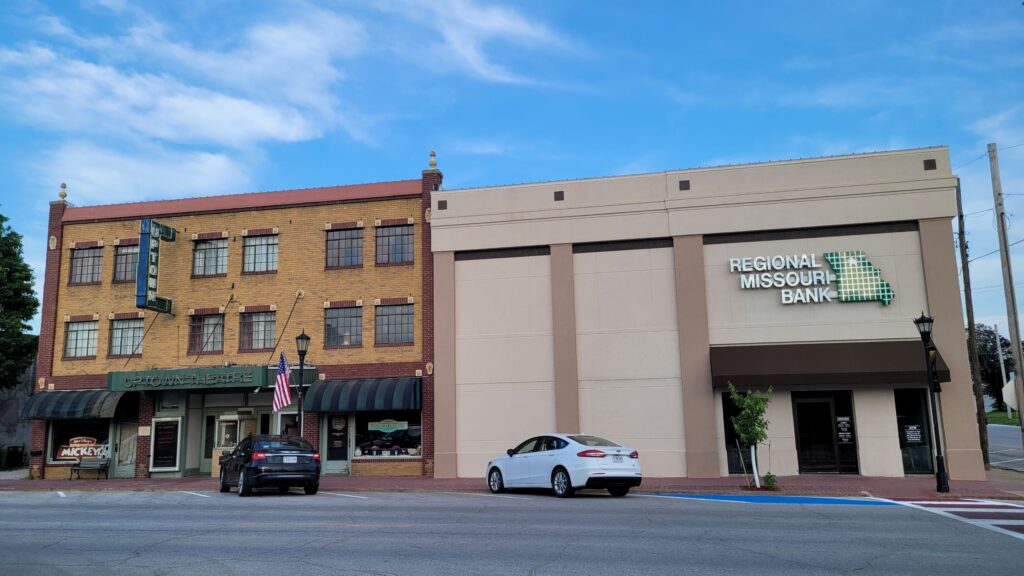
<point>290,459</point>
<point>618,459</point>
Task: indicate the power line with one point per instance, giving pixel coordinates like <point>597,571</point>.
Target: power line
<point>986,154</point>
<point>994,251</point>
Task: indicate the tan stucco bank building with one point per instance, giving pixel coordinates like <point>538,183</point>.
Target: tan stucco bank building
<point>623,307</point>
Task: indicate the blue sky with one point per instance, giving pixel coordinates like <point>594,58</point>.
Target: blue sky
<point>133,101</point>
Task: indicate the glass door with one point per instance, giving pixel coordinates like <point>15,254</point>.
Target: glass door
<point>125,449</point>
<point>914,430</point>
<point>336,443</point>
<point>826,442</point>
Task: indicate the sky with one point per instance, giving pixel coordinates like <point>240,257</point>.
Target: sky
<point>129,101</point>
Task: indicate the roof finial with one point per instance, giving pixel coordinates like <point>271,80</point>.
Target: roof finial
<point>433,160</point>
<point>63,191</point>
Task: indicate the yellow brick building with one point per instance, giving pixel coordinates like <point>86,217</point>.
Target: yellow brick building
<point>160,393</point>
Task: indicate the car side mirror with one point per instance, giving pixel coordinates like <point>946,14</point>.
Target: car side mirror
<point>510,452</point>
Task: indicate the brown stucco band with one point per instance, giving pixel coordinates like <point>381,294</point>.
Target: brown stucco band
<point>846,363</point>
<point>695,367</point>
<point>563,318</point>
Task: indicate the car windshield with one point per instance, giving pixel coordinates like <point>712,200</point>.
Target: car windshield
<point>592,441</point>
<point>283,444</point>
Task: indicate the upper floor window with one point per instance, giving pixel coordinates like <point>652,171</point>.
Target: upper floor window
<point>126,262</point>
<point>80,339</point>
<point>86,265</point>
<point>394,244</point>
<point>394,324</point>
<point>210,257</point>
<point>344,248</point>
<point>343,327</point>
<point>259,254</point>
<point>258,331</point>
<point>206,334</point>
<point>126,337</point>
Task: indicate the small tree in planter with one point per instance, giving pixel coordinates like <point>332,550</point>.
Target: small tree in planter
<point>750,424</point>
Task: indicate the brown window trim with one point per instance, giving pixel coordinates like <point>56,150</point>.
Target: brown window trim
<point>259,273</point>
<point>395,222</point>
<point>208,353</point>
<point>122,281</point>
<point>349,267</point>
<point>350,225</point>
<point>86,244</point>
<point>247,350</point>
<point>221,275</point>
<point>76,358</point>
<point>127,316</point>
<point>112,356</point>
<point>96,283</point>
<point>201,236</point>
<point>341,346</point>
<point>127,242</point>
<point>389,264</point>
<point>394,344</point>
<point>260,232</point>
<point>333,304</point>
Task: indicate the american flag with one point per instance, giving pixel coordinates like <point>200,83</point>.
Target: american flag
<point>282,392</point>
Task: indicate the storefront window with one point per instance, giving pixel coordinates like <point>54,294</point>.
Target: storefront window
<point>72,440</point>
<point>737,456</point>
<point>912,424</point>
<point>388,434</point>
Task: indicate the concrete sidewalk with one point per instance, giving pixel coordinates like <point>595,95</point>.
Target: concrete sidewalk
<point>1001,484</point>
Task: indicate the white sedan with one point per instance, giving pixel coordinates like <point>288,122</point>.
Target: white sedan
<point>566,462</point>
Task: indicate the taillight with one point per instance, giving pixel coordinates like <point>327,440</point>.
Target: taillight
<point>316,456</point>
<point>634,454</point>
<point>591,454</point>
<point>259,456</point>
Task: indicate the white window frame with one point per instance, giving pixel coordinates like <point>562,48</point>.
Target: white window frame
<point>152,436</point>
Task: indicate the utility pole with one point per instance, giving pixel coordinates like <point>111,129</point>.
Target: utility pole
<point>972,335</point>
<point>1002,368</point>
<point>1004,256</point>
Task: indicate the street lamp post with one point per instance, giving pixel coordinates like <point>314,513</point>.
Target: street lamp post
<point>302,345</point>
<point>924,327</point>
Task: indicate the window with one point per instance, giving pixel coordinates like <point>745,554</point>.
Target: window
<point>394,324</point>
<point>126,337</point>
<point>71,440</point>
<point>394,433</point>
<point>343,327</point>
<point>210,257</point>
<point>344,248</point>
<point>259,254</point>
<point>206,334</point>
<point>126,261</point>
<point>86,265</point>
<point>80,339</point>
<point>257,331</point>
<point>394,244</point>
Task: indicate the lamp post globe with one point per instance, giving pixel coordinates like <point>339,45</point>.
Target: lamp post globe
<point>301,346</point>
<point>924,326</point>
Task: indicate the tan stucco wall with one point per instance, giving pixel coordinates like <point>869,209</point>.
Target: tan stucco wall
<point>778,454</point>
<point>301,265</point>
<point>504,367</point>
<point>878,443</point>
<point>757,316</point>
<point>628,352</point>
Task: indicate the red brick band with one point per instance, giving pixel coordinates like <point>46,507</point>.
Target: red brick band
<point>394,222</point>
<point>212,235</point>
<point>344,225</point>
<point>205,311</point>
<point>342,304</point>
<point>258,308</point>
<point>126,315</point>
<point>259,232</point>
<point>126,242</point>
<point>393,301</point>
<point>86,244</point>
<point>81,318</point>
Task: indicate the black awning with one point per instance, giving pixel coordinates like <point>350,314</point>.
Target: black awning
<point>845,363</point>
<point>71,405</point>
<point>364,395</point>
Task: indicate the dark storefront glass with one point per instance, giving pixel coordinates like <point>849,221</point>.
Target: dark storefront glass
<point>72,440</point>
<point>736,456</point>
<point>394,433</point>
<point>826,441</point>
<point>337,437</point>
<point>914,430</point>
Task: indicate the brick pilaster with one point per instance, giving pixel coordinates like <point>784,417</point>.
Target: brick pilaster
<point>142,443</point>
<point>51,286</point>
<point>431,180</point>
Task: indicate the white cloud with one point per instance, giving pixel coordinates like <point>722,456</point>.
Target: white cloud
<point>103,176</point>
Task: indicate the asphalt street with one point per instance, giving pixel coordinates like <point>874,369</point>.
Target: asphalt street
<point>1004,447</point>
<point>200,533</point>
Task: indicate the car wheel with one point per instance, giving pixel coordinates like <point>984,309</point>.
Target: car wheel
<point>618,491</point>
<point>561,483</point>
<point>223,485</point>
<point>495,482</point>
<point>244,489</point>
<point>311,488</point>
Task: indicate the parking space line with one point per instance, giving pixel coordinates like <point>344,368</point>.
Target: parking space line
<point>488,495</point>
<point>196,494</point>
<point>348,495</point>
<point>1005,461</point>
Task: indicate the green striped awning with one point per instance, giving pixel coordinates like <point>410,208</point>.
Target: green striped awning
<point>363,395</point>
<point>71,405</point>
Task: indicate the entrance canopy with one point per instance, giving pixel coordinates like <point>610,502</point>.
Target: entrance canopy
<point>71,405</point>
<point>364,395</point>
<point>845,363</point>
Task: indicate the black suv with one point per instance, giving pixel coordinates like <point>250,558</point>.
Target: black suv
<point>270,460</point>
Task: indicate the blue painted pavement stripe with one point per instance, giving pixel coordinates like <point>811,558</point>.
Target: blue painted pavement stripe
<point>765,499</point>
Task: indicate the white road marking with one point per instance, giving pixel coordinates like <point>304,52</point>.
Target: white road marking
<point>62,495</point>
<point>695,498</point>
<point>948,508</point>
<point>348,495</point>
<point>196,494</point>
<point>487,495</point>
<point>1005,461</point>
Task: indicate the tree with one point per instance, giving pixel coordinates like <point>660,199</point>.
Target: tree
<point>18,305</point>
<point>991,375</point>
<point>750,424</point>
